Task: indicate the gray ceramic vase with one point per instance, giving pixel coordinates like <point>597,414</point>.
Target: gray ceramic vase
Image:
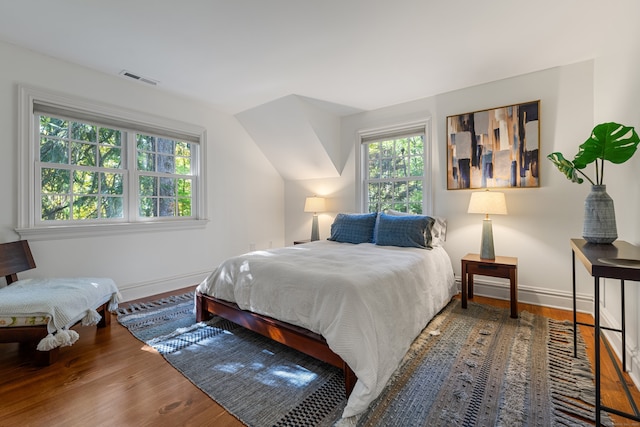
<point>599,217</point>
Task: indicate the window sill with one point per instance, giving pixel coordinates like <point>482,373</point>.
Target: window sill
<point>94,230</point>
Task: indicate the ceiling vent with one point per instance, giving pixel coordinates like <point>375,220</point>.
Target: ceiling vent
<point>146,80</point>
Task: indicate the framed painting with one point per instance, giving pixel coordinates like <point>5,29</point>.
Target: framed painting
<point>494,148</point>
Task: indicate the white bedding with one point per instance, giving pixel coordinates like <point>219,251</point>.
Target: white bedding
<point>369,302</point>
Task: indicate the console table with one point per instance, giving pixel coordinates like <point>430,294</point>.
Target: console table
<point>619,260</point>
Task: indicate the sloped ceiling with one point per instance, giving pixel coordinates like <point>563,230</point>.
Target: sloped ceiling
<point>300,136</point>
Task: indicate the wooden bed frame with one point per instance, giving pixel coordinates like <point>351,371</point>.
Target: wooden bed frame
<point>290,335</point>
<point>16,257</point>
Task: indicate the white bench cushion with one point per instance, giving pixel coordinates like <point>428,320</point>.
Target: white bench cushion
<point>64,301</point>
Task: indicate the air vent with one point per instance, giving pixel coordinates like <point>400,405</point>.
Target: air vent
<point>146,80</point>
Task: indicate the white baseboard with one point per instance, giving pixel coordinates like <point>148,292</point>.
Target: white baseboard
<point>145,289</point>
<point>633,367</point>
<point>530,295</point>
<point>615,339</point>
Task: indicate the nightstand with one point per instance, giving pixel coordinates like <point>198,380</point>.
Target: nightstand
<point>503,266</point>
<point>300,242</point>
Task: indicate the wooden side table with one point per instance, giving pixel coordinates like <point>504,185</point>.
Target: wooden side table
<point>505,267</point>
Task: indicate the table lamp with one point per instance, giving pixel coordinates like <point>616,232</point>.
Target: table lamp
<point>314,204</point>
<point>487,202</point>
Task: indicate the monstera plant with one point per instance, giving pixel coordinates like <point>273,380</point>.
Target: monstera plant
<point>615,143</point>
<point>608,141</point>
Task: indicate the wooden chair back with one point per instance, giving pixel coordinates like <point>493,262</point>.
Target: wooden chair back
<point>14,258</point>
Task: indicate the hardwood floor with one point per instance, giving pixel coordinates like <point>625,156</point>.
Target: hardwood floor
<point>110,378</point>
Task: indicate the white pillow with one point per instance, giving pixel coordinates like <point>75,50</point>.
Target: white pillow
<point>439,231</point>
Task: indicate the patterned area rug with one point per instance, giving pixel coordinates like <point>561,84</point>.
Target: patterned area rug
<point>473,367</point>
<point>259,381</point>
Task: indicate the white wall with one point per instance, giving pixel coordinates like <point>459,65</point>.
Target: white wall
<point>541,220</point>
<point>617,98</point>
<point>245,193</point>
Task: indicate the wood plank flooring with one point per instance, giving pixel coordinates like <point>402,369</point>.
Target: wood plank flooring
<point>109,378</point>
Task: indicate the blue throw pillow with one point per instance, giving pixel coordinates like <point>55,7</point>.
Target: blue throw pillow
<point>438,230</point>
<point>413,231</point>
<point>353,228</point>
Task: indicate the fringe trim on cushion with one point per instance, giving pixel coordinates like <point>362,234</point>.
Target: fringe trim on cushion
<point>47,343</point>
<point>91,318</point>
<point>66,337</point>
<point>115,299</point>
<point>62,338</point>
<point>74,336</point>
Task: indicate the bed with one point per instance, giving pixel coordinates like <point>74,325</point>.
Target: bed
<point>356,301</point>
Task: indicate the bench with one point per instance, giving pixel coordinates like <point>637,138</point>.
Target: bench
<point>86,300</point>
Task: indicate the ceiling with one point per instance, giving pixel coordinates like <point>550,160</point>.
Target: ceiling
<point>289,69</point>
<point>352,54</point>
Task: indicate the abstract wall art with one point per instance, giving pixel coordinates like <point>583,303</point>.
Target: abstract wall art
<point>498,147</point>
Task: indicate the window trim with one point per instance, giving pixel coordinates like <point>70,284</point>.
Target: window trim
<point>28,98</point>
<point>365,135</point>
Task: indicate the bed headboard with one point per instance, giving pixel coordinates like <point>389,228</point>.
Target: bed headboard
<point>14,258</point>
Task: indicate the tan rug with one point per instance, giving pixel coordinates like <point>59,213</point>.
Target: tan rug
<point>479,367</point>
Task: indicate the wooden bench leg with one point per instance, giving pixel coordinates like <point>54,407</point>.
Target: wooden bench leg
<point>46,358</point>
<point>28,350</point>
<point>105,314</point>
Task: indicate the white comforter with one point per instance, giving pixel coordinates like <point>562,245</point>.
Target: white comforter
<point>369,302</point>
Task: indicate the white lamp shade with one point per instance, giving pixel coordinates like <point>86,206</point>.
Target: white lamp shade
<point>488,202</point>
<point>314,204</point>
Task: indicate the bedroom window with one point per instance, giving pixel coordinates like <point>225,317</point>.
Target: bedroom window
<point>79,170</point>
<point>394,170</point>
<point>91,169</point>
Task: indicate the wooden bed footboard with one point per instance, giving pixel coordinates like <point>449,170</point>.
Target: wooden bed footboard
<point>292,336</point>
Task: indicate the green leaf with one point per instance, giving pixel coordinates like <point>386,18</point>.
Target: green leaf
<point>565,166</point>
<point>609,141</point>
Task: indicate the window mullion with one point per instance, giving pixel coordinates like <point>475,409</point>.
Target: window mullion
<point>132,177</point>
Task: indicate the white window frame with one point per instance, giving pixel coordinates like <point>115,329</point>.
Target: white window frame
<point>29,225</point>
<point>361,167</point>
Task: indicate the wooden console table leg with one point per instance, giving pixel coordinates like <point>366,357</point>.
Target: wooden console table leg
<point>464,284</point>
<point>513,279</point>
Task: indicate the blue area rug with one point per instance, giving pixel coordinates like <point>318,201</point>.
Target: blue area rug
<point>259,381</point>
